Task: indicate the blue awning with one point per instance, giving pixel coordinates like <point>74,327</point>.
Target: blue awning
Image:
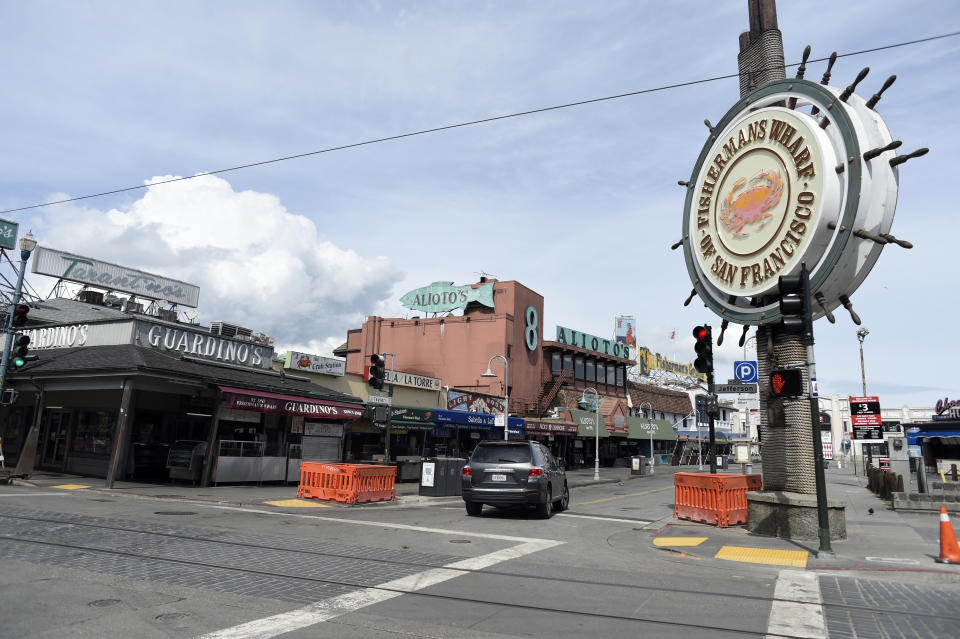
<point>915,437</point>
<point>478,421</point>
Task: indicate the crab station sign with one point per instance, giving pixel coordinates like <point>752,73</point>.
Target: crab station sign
<point>784,180</point>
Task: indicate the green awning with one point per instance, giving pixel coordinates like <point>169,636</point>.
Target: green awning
<point>586,422</point>
<point>640,427</point>
<point>407,425</point>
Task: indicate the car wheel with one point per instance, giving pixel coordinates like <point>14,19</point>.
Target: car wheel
<point>564,502</point>
<point>545,509</point>
<point>474,508</point>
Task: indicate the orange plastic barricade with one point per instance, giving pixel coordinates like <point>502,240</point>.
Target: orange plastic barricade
<point>719,500</point>
<point>347,483</point>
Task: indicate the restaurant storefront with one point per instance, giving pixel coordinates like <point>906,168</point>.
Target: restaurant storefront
<point>651,438</point>
<point>557,435</point>
<point>138,398</point>
<point>584,446</point>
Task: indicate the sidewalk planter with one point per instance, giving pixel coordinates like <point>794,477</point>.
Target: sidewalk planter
<point>347,483</point>
<point>718,500</point>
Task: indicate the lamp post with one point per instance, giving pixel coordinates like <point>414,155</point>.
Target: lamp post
<point>650,431</point>
<point>506,391</point>
<point>861,335</point>
<point>596,431</point>
<point>27,244</point>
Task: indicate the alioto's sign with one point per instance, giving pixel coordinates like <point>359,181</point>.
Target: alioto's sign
<point>440,297</point>
<point>592,342</point>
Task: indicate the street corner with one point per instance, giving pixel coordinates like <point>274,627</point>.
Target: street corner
<point>700,541</point>
<point>297,502</point>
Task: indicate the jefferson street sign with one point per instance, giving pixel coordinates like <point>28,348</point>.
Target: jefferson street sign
<point>381,400</point>
<point>734,388</point>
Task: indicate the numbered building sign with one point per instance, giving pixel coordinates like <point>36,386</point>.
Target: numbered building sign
<point>8,234</point>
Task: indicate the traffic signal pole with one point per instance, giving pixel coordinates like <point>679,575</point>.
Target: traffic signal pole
<point>386,427</point>
<point>713,443</point>
<point>823,516</point>
<point>8,346</point>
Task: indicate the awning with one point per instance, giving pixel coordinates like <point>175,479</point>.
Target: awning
<point>263,402</point>
<point>587,423</point>
<point>406,414</point>
<point>549,427</point>
<point>718,436</point>
<point>477,421</point>
<point>641,427</point>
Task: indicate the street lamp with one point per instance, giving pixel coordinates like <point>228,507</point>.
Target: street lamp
<point>596,430</point>
<point>861,335</point>
<point>650,431</point>
<point>27,244</point>
<point>506,391</point>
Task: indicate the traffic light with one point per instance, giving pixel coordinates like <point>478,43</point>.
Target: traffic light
<point>794,305</point>
<point>20,314</point>
<point>376,371</point>
<point>18,357</point>
<point>704,349</point>
<point>712,406</point>
<point>787,382</point>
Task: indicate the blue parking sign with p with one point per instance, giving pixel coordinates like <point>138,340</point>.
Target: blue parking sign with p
<point>746,372</point>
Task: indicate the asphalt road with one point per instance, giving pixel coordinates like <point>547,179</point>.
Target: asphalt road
<point>85,564</point>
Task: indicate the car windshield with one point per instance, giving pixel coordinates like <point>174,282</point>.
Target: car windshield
<point>502,454</point>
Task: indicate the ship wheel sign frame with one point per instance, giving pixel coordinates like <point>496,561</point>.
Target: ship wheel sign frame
<point>795,172</point>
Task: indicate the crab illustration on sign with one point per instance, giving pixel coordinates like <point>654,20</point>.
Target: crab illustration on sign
<point>741,207</point>
<point>304,361</point>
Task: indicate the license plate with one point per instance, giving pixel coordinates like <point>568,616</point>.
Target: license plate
<point>498,478</point>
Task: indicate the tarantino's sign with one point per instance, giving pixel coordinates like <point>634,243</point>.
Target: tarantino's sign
<point>757,202</point>
<point>84,270</point>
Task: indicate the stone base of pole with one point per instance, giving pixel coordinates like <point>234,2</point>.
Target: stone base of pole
<point>792,515</point>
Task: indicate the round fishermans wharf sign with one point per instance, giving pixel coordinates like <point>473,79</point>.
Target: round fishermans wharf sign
<point>781,182</point>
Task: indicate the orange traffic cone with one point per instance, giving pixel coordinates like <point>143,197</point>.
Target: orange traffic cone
<point>949,551</point>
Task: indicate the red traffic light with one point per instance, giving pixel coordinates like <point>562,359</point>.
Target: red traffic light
<point>786,383</point>
<point>20,314</point>
<point>700,332</point>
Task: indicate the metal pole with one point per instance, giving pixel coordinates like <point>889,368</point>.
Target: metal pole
<point>596,446</point>
<point>506,399</point>
<point>823,516</point>
<point>386,427</point>
<point>863,372</point>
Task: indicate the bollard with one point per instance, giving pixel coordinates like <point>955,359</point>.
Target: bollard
<point>953,472</point>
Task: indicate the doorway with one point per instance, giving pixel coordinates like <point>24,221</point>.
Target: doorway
<point>53,440</point>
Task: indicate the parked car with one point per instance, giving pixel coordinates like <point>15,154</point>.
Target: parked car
<point>512,473</point>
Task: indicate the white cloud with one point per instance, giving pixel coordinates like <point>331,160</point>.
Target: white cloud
<point>257,264</point>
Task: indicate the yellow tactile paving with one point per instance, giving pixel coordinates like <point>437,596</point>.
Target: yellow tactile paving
<point>679,541</point>
<point>794,558</point>
<point>297,503</point>
<point>71,486</point>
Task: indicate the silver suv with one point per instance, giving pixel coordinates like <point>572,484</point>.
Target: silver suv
<point>511,473</point>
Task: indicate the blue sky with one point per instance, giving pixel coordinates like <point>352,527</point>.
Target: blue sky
<point>579,204</point>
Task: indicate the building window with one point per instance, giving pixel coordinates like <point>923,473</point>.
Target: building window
<point>568,362</point>
<point>620,375</point>
<point>578,368</point>
<point>601,374</point>
<point>591,371</point>
<point>93,434</point>
<point>555,363</point>
<point>611,374</point>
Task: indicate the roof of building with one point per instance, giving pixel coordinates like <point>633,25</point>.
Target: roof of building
<point>127,358</point>
<point>661,399</point>
<point>61,310</point>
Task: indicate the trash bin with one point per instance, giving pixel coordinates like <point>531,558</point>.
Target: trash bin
<point>440,476</point>
<point>721,462</point>
<point>826,464</point>
<point>638,465</point>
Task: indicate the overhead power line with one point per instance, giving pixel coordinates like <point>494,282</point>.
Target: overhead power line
<point>463,124</point>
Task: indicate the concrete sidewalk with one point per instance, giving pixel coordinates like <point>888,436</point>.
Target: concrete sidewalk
<point>878,538</point>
